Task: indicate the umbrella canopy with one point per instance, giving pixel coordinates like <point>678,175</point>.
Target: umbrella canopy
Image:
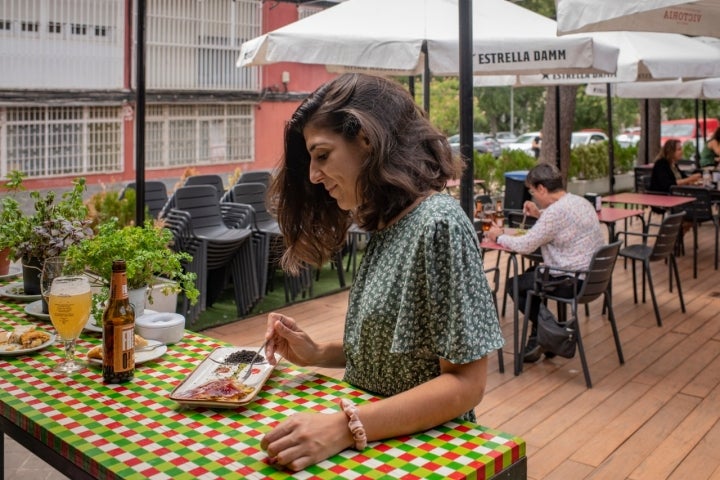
<point>708,88</point>
<point>390,37</point>
<point>643,56</point>
<point>699,17</point>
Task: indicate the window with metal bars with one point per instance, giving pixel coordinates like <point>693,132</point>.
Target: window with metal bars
<point>61,141</point>
<point>187,135</point>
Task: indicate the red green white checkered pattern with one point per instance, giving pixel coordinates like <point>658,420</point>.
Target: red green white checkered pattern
<point>134,431</point>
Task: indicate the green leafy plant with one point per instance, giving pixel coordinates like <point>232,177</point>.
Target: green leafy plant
<point>11,215</point>
<point>147,254</point>
<point>54,226</point>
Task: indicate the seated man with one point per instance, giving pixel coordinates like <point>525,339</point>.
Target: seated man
<point>567,232</point>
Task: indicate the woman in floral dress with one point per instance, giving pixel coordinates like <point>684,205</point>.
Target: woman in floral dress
<point>421,319</point>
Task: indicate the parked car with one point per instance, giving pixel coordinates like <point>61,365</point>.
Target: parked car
<point>629,137</point>
<point>523,142</point>
<point>482,142</point>
<point>587,137</point>
<point>685,129</point>
<point>505,137</point>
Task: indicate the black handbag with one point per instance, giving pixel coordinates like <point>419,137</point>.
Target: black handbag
<point>556,337</point>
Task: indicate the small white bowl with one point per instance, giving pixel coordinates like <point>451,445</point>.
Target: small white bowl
<point>164,327</point>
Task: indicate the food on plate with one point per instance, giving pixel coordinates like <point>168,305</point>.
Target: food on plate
<point>223,389</point>
<point>243,356</point>
<point>22,338</point>
<point>520,232</point>
<point>96,351</point>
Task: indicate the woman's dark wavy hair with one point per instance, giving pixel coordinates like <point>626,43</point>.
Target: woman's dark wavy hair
<point>408,158</point>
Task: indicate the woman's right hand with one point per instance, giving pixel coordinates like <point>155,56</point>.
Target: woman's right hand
<point>531,209</point>
<point>289,341</point>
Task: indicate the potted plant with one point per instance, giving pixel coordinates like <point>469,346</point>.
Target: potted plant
<point>147,254</point>
<point>11,215</point>
<point>49,231</point>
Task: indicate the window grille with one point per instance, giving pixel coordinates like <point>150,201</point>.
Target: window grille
<point>188,135</point>
<point>61,141</point>
<point>195,45</point>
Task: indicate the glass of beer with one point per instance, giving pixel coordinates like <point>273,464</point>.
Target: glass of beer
<point>69,298</point>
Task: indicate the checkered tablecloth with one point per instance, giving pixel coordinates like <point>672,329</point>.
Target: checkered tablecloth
<point>133,431</point>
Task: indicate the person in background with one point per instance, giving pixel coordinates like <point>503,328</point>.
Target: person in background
<point>567,232</point>
<point>665,172</point>
<point>536,144</point>
<point>421,319</point>
<point>710,155</point>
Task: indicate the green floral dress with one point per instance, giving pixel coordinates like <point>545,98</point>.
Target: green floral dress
<point>420,294</point>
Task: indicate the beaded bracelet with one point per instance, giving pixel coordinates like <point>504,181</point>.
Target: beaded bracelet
<point>354,424</point>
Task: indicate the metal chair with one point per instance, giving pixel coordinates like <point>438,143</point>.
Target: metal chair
<point>256,176</point>
<point>208,179</point>
<point>663,249</point>
<point>698,212</point>
<point>595,284</point>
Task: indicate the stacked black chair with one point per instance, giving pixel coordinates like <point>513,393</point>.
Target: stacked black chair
<point>227,235</point>
<point>156,195</point>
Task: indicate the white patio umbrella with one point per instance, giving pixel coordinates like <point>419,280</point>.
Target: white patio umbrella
<point>698,17</point>
<point>390,36</point>
<point>643,56</point>
<point>402,37</point>
<point>707,88</point>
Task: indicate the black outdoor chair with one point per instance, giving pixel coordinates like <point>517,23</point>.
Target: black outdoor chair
<point>595,284</point>
<point>155,195</point>
<point>226,232</point>
<point>663,249</point>
<point>698,212</point>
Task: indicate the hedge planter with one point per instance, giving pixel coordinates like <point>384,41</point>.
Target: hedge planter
<point>624,182</point>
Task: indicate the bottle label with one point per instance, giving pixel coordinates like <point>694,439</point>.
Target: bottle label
<point>124,348</point>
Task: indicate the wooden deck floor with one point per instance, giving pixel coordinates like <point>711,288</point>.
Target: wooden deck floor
<point>655,417</point>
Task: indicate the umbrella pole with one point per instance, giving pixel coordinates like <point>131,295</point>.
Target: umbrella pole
<point>611,143</point>
<point>140,117</point>
<point>426,80</point>
<point>558,161</point>
<point>697,133</point>
<point>466,104</point>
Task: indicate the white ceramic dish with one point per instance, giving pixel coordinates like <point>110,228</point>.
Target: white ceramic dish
<point>34,309</point>
<point>141,356</point>
<point>23,351</point>
<point>15,271</point>
<point>165,327</point>
<point>92,326</point>
<point>16,291</point>
<point>209,370</point>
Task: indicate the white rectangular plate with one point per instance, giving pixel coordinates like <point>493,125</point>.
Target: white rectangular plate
<point>209,371</point>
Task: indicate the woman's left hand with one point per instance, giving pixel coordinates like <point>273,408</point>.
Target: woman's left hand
<point>305,439</point>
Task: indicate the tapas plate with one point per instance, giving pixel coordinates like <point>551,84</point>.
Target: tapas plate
<point>15,271</point>
<point>141,356</point>
<point>216,383</point>
<point>16,291</point>
<point>34,309</point>
<point>4,351</point>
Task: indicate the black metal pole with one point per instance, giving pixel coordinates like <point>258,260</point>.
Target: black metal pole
<point>140,115</point>
<point>611,144</point>
<point>558,162</point>
<point>426,80</point>
<point>646,133</point>
<point>466,103</point>
<point>411,85</point>
<point>697,134</point>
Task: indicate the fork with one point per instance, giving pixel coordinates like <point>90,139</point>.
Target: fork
<point>252,362</point>
<point>522,224</point>
<point>148,348</point>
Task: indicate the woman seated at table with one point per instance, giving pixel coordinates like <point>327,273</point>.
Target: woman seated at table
<point>710,155</point>
<point>665,172</point>
<point>421,319</point>
<point>567,232</point>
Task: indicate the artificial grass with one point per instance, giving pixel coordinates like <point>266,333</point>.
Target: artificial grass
<point>223,309</point>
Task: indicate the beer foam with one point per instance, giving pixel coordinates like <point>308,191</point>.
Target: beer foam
<point>69,286</point>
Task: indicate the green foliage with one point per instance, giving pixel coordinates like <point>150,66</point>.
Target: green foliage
<point>107,204</point>
<point>445,105</point>
<point>493,170</point>
<point>146,251</point>
<point>54,226</point>
<point>588,162</point>
<point>11,215</point>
